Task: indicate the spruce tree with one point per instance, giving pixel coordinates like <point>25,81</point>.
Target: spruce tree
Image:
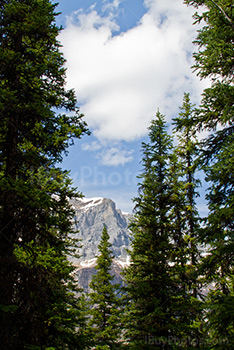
<point>104,303</point>
<point>151,286</point>
<point>186,214</point>
<point>187,151</point>
<point>39,119</point>
<point>214,59</point>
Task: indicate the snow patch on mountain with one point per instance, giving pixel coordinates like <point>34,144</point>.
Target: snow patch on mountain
<point>88,263</point>
<point>123,263</point>
<point>91,214</point>
<point>87,203</point>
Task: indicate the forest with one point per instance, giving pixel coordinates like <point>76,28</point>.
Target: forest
<point>178,291</point>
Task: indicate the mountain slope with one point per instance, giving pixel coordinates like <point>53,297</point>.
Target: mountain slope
<point>90,216</point>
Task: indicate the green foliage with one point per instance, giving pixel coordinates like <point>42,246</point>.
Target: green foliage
<point>187,152</point>
<point>39,120</point>
<point>162,282</point>
<point>104,303</point>
<point>150,285</point>
<point>214,59</point>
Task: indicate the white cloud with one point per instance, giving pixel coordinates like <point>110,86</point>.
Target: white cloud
<point>111,155</point>
<point>111,6</point>
<point>93,146</point>
<point>115,156</point>
<point>121,80</point>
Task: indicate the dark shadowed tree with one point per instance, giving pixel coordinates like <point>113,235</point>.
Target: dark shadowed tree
<point>38,121</point>
<point>151,286</point>
<point>187,216</point>
<point>214,60</point>
<point>104,302</point>
<point>187,151</point>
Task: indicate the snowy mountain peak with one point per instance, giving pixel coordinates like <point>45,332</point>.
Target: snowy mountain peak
<point>87,203</point>
<point>91,214</point>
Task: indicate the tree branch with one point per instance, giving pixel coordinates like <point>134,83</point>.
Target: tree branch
<point>224,13</point>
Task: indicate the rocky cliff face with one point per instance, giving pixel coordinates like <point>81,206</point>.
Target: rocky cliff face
<point>90,216</point>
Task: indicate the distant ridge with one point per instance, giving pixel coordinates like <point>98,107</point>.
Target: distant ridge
<point>90,216</point>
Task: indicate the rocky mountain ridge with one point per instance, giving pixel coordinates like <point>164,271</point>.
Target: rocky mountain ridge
<point>90,216</point>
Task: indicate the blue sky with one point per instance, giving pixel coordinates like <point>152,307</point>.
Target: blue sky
<point>125,59</point>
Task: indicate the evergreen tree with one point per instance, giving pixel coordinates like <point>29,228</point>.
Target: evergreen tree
<point>187,151</point>
<point>105,313</point>
<point>186,214</point>
<point>39,119</point>
<point>151,286</point>
<point>215,60</point>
